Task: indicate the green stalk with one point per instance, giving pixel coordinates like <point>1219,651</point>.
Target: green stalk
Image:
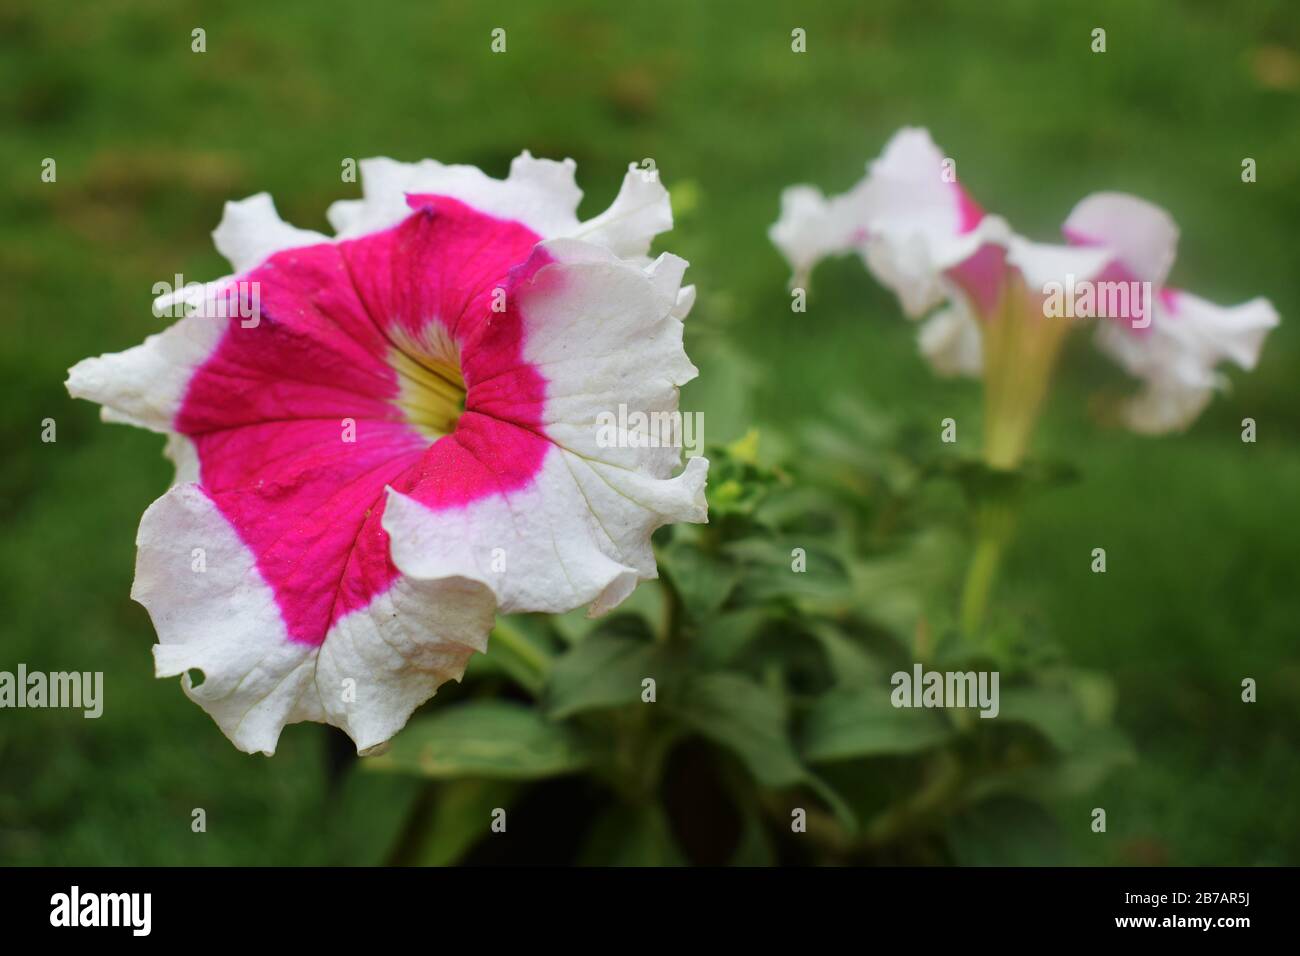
<point>994,524</point>
<point>526,661</point>
<point>1021,347</point>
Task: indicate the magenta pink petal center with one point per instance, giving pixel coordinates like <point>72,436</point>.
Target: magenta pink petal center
<point>269,410</point>
<point>980,274</point>
<point>1116,271</point>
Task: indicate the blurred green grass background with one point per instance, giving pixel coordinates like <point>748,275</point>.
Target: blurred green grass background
<point>150,139</point>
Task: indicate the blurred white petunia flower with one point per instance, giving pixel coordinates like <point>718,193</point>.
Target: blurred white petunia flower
<point>1177,357</point>
<point>987,294</point>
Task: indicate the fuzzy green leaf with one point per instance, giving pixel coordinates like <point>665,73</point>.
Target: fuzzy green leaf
<point>625,836</point>
<point>484,738</point>
<point>744,717</point>
<point>864,723</point>
<point>604,669</point>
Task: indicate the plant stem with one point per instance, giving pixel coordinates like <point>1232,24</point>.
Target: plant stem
<point>994,523</point>
<point>1021,346</point>
<point>535,658</point>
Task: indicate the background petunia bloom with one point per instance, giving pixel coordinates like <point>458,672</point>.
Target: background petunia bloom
<point>404,441</point>
<point>1178,355</point>
<point>975,282</point>
<point>984,290</point>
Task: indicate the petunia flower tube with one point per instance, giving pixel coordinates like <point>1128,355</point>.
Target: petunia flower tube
<point>1177,356</point>
<point>985,289</point>
<point>403,441</point>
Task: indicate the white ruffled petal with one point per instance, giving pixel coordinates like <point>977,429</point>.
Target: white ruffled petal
<point>640,211</point>
<point>540,193</point>
<point>145,385</point>
<point>1161,407</point>
<point>251,230</point>
<point>374,668</point>
<point>908,218</point>
<point>911,260</point>
<point>685,302</point>
<point>950,341</point>
<point>916,218</point>
<point>907,182</point>
<point>1141,235</point>
<point>399,650</point>
<point>1215,333</point>
<point>631,354</point>
<point>579,535</point>
<point>812,228</point>
<point>1178,356</point>
<point>1041,263</point>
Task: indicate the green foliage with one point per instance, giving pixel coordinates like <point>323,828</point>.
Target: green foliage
<point>605,669</point>
<point>770,641</point>
<point>453,819</point>
<point>863,723</point>
<point>632,836</point>
<point>484,738</point>
<point>742,716</point>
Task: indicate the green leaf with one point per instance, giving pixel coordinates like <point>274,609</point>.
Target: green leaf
<point>843,725</point>
<point>625,836</point>
<point>744,717</point>
<point>1006,832</point>
<point>646,601</point>
<point>604,669</point>
<point>460,817</point>
<point>1053,712</point>
<point>723,637</point>
<point>366,816</point>
<point>824,585</point>
<point>1095,756</point>
<point>754,847</point>
<point>1092,761</point>
<point>850,662</point>
<point>703,580</point>
<point>484,738</point>
<point>897,587</point>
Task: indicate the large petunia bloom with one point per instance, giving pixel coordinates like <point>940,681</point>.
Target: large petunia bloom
<point>986,292</point>
<point>403,441</point>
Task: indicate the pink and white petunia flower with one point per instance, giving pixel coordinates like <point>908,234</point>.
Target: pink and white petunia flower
<point>979,285</point>
<point>908,218</point>
<point>985,290</point>
<point>923,236</point>
<point>1177,356</point>
<point>404,441</point>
